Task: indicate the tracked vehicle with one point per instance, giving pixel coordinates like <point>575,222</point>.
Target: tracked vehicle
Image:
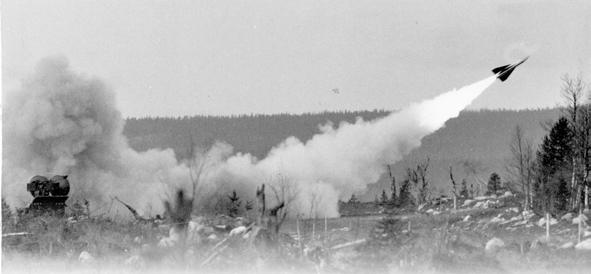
<point>50,195</point>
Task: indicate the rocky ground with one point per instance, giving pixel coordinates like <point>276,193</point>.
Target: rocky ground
<point>485,234</point>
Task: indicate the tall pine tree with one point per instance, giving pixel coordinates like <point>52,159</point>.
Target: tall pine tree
<point>553,164</point>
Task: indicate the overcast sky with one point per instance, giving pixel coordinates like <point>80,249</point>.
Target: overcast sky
<point>232,57</point>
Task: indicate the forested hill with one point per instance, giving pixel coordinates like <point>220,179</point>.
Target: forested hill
<point>475,144</point>
<point>254,134</point>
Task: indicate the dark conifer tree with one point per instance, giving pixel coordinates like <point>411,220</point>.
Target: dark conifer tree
<point>553,164</point>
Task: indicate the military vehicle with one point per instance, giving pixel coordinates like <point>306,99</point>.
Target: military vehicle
<point>50,195</point>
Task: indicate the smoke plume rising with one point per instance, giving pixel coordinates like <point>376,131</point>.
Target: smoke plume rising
<point>339,161</point>
<point>60,122</point>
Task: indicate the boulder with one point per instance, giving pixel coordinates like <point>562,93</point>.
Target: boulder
<point>567,217</point>
<point>85,257</point>
<point>481,204</point>
<point>212,237</point>
<point>581,217</point>
<point>237,231</point>
<point>497,219</point>
<point>172,239</point>
<point>494,245</point>
<point>584,245</point>
<point>567,245</point>
<point>468,202</point>
<point>527,214</point>
<point>542,221</point>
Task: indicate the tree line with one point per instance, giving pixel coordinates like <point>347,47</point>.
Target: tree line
<point>554,177</point>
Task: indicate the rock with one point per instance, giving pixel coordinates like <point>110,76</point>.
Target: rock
<point>237,231</point>
<point>172,239</point>
<point>520,223</point>
<point>212,237</point>
<point>567,245</point>
<point>421,206</point>
<point>468,202</point>
<point>166,242</point>
<point>515,219</point>
<point>481,205</point>
<point>584,245</point>
<point>430,210</point>
<point>507,194</point>
<point>580,217</point>
<point>480,198</point>
<point>527,214</point>
<point>436,212</point>
<point>512,209</point>
<point>137,240</point>
<point>586,233</point>
<point>194,227</point>
<point>494,245</point>
<point>466,218</point>
<point>542,222</point>
<point>497,219</point>
<point>567,217</point>
<point>85,257</point>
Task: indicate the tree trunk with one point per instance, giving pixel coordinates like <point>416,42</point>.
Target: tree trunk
<point>547,226</point>
<point>586,197</point>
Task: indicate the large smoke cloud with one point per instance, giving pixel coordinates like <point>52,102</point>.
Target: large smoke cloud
<point>63,123</point>
<point>60,122</point>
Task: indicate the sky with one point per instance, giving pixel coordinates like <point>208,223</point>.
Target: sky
<point>174,58</point>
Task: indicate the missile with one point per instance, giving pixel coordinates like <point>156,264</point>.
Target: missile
<point>503,72</point>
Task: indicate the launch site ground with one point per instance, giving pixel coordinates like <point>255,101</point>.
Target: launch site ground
<point>487,234</point>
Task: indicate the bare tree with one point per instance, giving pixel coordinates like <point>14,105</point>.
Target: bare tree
<point>521,164</point>
<point>286,192</point>
<point>418,177</point>
<point>474,170</point>
<point>585,146</point>
<point>197,163</point>
<point>314,201</point>
<point>579,116</point>
<point>261,205</point>
<point>394,197</point>
<point>454,187</point>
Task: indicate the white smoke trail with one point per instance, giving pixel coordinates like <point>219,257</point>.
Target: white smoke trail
<point>61,122</point>
<point>337,162</point>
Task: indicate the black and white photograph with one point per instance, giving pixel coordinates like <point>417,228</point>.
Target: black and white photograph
<point>308,136</point>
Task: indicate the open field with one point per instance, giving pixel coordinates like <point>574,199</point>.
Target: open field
<point>440,240</point>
